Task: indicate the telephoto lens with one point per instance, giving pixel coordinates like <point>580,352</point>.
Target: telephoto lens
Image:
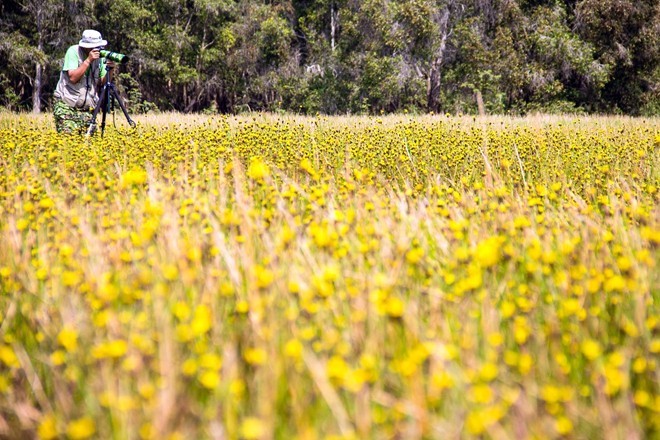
<point>114,56</point>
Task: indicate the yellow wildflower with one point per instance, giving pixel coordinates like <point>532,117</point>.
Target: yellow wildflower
<point>81,428</point>
<point>252,428</point>
<point>68,338</point>
<point>210,379</point>
<point>563,425</point>
<point>255,356</point>
<point>591,349</point>
<point>258,169</point>
<point>47,429</point>
<point>201,322</point>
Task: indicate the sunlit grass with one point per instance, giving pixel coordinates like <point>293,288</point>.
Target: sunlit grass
<point>280,276</point>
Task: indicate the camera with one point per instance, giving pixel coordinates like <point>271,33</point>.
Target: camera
<point>114,56</point>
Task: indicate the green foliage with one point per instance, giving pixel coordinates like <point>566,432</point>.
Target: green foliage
<point>135,101</point>
<point>339,56</point>
<point>274,39</point>
<point>9,99</point>
<point>19,51</point>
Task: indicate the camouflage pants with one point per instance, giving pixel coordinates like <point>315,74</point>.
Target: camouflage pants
<point>71,120</point>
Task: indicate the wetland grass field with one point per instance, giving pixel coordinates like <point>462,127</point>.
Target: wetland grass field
<point>285,277</point>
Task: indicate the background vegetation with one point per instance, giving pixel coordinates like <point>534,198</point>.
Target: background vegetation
<point>348,56</point>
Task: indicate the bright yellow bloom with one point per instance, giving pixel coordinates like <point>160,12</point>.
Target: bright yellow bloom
<point>488,372</point>
<point>258,169</point>
<point>210,361</point>
<point>81,428</point>
<point>8,357</point>
<point>252,428</point>
<point>111,349</point>
<point>134,176</point>
<point>337,368</point>
<point>68,338</point>
<point>264,277</point>
<point>395,307</point>
<point>46,203</point>
<point>210,379</point>
<point>293,348</point>
<point>414,255</point>
<point>550,393</point>
<point>47,428</point>
<point>489,252</point>
<point>481,393</point>
<point>202,321</point>
<point>591,349</point>
<point>615,284</point>
<point>563,425</point>
<point>255,356</point>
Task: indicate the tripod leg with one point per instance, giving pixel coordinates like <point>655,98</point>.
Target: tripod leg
<point>99,106</point>
<point>106,105</point>
<point>121,105</point>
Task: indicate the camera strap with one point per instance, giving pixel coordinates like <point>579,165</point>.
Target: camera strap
<point>86,87</point>
<point>89,72</point>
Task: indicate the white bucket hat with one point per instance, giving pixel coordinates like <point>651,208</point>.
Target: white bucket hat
<point>91,39</point>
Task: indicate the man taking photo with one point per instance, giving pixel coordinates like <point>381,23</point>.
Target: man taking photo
<point>83,74</point>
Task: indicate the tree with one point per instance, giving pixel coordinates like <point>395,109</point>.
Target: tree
<point>338,56</point>
<point>624,34</point>
<point>25,47</point>
<point>35,38</point>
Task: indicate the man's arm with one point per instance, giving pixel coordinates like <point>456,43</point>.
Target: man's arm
<point>76,74</point>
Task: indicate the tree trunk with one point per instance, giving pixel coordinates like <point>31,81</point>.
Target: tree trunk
<point>432,89</point>
<point>433,81</point>
<point>39,68</point>
<point>480,102</point>
<point>333,25</point>
<point>36,88</point>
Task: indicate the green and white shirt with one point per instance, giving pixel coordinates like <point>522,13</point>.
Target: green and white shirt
<point>82,94</point>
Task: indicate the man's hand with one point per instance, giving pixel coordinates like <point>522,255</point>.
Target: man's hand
<point>76,74</point>
<point>94,54</point>
<point>109,64</point>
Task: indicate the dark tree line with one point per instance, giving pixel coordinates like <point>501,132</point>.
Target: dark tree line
<point>348,56</point>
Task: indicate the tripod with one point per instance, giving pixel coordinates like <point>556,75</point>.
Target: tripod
<point>106,102</point>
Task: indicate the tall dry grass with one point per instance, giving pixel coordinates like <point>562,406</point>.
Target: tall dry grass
<point>277,277</point>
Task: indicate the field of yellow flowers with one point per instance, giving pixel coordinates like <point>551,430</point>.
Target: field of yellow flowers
<point>280,277</point>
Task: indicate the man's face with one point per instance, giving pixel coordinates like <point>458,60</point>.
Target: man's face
<point>87,50</point>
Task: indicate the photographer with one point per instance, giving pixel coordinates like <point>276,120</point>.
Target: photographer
<point>82,76</point>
